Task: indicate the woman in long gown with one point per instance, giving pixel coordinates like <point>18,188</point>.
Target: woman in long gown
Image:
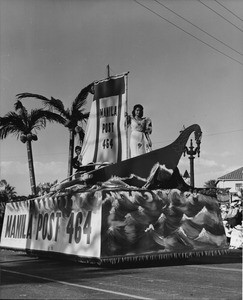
<point>141,128</point>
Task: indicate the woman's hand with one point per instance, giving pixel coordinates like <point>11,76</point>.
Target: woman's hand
<point>149,140</point>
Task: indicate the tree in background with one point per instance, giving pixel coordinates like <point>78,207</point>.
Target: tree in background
<point>45,188</point>
<point>72,116</point>
<point>210,183</point>
<point>7,192</point>
<point>24,125</point>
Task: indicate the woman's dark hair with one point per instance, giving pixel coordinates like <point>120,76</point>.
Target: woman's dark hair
<point>135,107</point>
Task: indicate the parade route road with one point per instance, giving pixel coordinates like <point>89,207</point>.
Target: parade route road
<point>25,277</point>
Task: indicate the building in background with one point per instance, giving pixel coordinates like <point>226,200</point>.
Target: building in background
<point>234,182</point>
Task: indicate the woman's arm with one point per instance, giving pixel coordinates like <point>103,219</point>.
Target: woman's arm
<point>148,131</point>
<point>148,139</point>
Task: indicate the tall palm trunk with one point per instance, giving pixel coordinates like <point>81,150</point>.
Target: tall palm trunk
<point>70,156</point>
<point>31,168</point>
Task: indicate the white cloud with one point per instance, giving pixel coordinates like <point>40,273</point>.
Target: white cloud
<point>17,174</point>
<point>52,168</point>
<point>200,162</point>
<point>206,162</point>
<point>20,168</point>
<point>13,167</point>
<point>225,154</point>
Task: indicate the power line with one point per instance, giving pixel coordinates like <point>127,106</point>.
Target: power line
<point>220,15</point>
<point>209,134</point>
<point>225,132</point>
<point>197,27</point>
<point>187,32</point>
<point>228,10</point>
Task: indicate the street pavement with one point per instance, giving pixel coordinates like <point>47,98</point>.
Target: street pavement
<point>214,277</point>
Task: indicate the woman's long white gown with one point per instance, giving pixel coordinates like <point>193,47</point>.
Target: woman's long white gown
<point>138,140</point>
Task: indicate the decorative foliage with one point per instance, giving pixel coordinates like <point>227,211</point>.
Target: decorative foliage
<point>210,183</point>
<point>45,187</point>
<point>158,221</point>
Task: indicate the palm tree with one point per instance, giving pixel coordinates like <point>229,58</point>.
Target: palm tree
<point>24,125</point>
<point>72,116</point>
<point>7,192</point>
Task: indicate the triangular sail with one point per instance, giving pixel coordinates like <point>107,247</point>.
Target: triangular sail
<point>106,133</point>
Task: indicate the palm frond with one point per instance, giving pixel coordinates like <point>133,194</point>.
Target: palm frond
<point>38,118</point>
<point>57,105</point>
<point>54,117</point>
<point>18,105</point>
<point>68,114</point>
<point>12,123</point>
<point>81,135</point>
<point>81,117</point>
<point>22,111</point>
<point>51,104</point>
<point>80,100</point>
<point>86,115</point>
<point>31,95</point>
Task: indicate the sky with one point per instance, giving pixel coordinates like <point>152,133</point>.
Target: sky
<point>185,66</point>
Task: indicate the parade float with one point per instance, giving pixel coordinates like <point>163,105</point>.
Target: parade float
<point>119,209</point>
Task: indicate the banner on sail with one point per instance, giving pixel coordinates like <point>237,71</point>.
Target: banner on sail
<point>105,137</point>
